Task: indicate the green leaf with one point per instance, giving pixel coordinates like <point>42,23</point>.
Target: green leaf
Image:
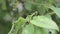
<point>28,17</point>
<point>37,30</point>
<point>41,9</point>
<point>40,30</point>
<point>51,31</point>
<point>29,29</point>
<point>28,5</point>
<point>56,10</point>
<point>44,22</point>
<point>17,25</point>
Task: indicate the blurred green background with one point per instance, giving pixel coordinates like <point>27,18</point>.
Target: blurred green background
<point>9,12</point>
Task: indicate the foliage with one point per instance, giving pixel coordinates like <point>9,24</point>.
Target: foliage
<point>29,17</point>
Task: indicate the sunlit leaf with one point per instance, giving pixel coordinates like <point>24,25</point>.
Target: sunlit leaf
<point>44,22</point>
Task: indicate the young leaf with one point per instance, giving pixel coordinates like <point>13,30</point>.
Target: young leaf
<point>44,22</point>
